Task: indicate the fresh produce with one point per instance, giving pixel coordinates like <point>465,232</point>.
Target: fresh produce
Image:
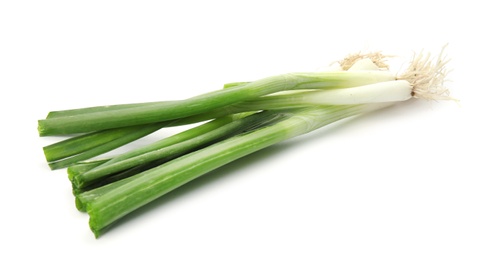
<point>239,119</point>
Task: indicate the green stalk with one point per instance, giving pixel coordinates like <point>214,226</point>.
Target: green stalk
<point>83,147</point>
<point>85,166</point>
<point>163,148</point>
<point>175,139</point>
<point>79,144</point>
<point>87,146</point>
<point>239,125</point>
<point>175,146</point>
<point>97,121</point>
<point>91,150</point>
<point>109,203</point>
<point>115,178</point>
<point>88,110</point>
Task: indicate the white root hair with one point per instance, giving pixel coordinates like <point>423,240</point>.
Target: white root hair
<point>427,76</point>
<point>378,58</point>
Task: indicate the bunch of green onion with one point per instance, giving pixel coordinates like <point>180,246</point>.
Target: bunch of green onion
<point>239,119</point>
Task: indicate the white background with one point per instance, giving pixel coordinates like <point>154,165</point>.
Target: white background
<point>412,182</point>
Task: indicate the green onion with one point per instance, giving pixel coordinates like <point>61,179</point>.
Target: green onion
<point>173,146</point>
<point>109,204</point>
<point>241,118</point>
<point>163,111</point>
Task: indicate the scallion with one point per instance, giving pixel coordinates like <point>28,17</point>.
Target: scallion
<point>239,119</point>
